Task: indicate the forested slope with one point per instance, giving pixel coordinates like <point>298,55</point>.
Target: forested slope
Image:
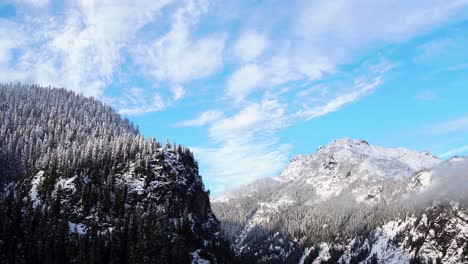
<point>80,184</point>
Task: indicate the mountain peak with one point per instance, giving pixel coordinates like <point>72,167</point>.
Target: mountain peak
<point>346,148</point>
<point>348,144</point>
<point>344,161</point>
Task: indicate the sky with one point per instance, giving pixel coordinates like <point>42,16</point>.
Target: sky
<point>247,85</point>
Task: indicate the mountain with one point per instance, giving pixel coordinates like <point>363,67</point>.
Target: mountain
<point>78,183</point>
<point>352,202</point>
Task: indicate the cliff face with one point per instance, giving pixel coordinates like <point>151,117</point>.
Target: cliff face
<point>79,184</point>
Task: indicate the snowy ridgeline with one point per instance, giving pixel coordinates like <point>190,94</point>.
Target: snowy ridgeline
<point>352,202</point>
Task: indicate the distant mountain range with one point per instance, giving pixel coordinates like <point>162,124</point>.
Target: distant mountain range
<point>352,202</point>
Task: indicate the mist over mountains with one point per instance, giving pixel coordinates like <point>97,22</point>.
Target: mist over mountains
<point>448,182</point>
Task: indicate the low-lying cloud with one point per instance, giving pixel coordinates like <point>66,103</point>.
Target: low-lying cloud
<point>449,183</point>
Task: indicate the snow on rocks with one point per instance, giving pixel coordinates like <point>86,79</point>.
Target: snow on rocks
<point>384,249</point>
<point>372,195</point>
<point>33,193</point>
<point>77,228</point>
<point>306,253</point>
<point>324,253</point>
<point>197,259</point>
<point>262,216</point>
<point>420,182</point>
<point>134,181</point>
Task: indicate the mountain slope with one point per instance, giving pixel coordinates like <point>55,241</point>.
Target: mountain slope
<point>351,202</point>
<point>80,184</point>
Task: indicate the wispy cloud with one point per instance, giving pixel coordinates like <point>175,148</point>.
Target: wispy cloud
<point>178,57</point>
<point>452,126</point>
<point>35,3</point>
<point>434,48</point>
<point>263,117</point>
<point>237,162</point>
<point>245,145</point>
<point>362,89</point>
<point>453,152</point>
<point>136,101</point>
<point>249,46</point>
<point>80,50</point>
<point>375,20</point>
<point>90,46</point>
<point>204,118</point>
<point>244,81</point>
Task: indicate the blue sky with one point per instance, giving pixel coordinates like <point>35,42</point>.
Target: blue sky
<point>249,84</point>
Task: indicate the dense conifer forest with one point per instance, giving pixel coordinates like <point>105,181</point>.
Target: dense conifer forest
<point>80,184</point>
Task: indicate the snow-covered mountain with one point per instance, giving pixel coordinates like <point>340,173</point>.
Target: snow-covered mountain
<point>335,167</point>
<point>79,184</point>
<point>352,202</point>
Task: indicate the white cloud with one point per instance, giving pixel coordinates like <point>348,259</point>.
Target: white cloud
<point>244,81</point>
<point>249,46</point>
<point>363,88</point>
<point>204,118</point>
<point>452,126</point>
<point>136,101</point>
<point>246,146</point>
<point>255,119</point>
<point>177,92</point>
<point>36,3</point>
<point>177,57</point>
<point>237,162</point>
<point>327,34</point>
<point>82,49</point>
<point>9,39</point>
<point>347,23</point>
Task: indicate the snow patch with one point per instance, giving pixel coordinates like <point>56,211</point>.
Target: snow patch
<point>66,184</point>
<point>197,259</point>
<point>324,253</point>
<point>422,181</point>
<point>77,228</point>
<point>33,193</point>
<point>306,253</point>
<point>373,194</point>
